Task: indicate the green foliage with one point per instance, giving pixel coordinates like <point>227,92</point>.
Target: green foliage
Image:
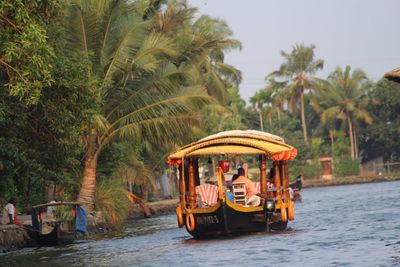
<point>341,146</point>
<point>40,139</point>
<point>26,56</point>
<point>346,167</point>
<point>112,201</point>
<point>380,139</point>
<point>312,170</point>
<point>319,148</point>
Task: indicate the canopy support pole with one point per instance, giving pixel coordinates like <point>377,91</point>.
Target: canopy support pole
<point>181,187</point>
<point>277,179</point>
<point>263,178</point>
<point>192,189</point>
<point>284,178</point>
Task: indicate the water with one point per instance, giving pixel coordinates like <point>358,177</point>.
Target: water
<point>355,225</point>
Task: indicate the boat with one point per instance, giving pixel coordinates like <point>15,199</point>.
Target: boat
<point>216,214</point>
<point>57,223</point>
<point>296,186</point>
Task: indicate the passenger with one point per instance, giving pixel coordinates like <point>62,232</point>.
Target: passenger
<point>234,177</point>
<point>51,210</point>
<point>251,192</point>
<point>291,193</point>
<point>10,213</point>
<point>229,193</point>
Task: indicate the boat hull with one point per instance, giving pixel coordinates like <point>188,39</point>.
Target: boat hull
<point>230,219</point>
<point>56,237</point>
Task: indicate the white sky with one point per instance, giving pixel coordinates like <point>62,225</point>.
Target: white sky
<point>361,33</point>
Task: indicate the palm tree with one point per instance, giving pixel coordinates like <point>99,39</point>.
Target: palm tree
<point>204,44</point>
<point>298,68</point>
<point>341,97</point>
<point>144,83</point>
<point>140,92</point>
<point>269,100</point>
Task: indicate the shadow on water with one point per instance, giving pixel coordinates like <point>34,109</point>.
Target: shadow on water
<point>354,225</point>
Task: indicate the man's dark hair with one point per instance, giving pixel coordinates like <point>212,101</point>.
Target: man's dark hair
<point>240,171</point>
<point>12,200</point>
<point>234,177</point>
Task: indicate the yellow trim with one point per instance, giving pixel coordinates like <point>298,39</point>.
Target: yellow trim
<point>220,174</point>
<point>226,149</point>
<point>204,210</point>
<point>243,209</point>
<point>268,147</point>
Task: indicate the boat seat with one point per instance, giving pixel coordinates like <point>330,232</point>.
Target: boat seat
<point>208,194</point>
<point>239,193</point>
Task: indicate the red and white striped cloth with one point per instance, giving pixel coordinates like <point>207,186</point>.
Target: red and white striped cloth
<point>208,193</point>
<point>257,185</point>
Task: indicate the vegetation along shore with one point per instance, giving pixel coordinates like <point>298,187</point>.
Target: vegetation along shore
<point>95,94</point>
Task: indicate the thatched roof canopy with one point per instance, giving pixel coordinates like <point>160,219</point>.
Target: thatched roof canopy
<point>393,75</point>
<point>237,142</point>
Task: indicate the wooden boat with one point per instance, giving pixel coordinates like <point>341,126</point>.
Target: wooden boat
<point>296,186</point>
<point>226,216</point>
<point>54,229</point>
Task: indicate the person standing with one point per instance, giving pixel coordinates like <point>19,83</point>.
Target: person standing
<point>9,212</point>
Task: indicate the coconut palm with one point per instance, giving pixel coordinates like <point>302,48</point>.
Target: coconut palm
<point>141,93</point>
<point>269,100</point>
<point>201,45</point>
<point>342,97</point>
<point>298,69</point>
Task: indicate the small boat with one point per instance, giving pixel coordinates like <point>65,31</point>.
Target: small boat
<point>57,223</point>
<point>206,209</point>
<point>296,187</point>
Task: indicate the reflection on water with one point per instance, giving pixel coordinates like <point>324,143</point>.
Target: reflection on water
<point>355,225</point>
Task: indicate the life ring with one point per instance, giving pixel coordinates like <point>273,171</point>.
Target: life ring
<point>179,216</point>
<point>291,211</point>
<point>283,215</point>
<point>190,222</point>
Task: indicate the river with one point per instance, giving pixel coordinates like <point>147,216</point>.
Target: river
<point>353,225</point>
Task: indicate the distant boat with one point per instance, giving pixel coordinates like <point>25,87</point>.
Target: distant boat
<point>212,208</point>
<point>57,223</point>
<point>296,187</point>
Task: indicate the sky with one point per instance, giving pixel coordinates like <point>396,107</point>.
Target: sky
<point>364,34</point>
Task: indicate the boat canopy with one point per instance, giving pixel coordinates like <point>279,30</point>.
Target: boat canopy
<point>237,142</point>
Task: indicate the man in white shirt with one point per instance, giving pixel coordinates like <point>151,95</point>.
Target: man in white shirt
<point>9,212</point>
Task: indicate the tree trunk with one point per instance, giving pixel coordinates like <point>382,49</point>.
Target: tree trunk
<point>355,143</point>
<point>351,135</point>
<point>303,117</point>
<point>145,207</point>
<point>332,140</point>
<point>261,118</point>
<point>145,193</point>
<point>270,119</point>
<point>88,189</point>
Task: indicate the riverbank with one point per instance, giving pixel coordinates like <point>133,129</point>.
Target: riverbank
<point>156,208</point>
<point>350,180</point>
<point>13,237</point>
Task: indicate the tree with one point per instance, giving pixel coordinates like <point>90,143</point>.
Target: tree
<point>204,44</point>
<point>269,100</point>
<point>343,97</point>
<point>380,139</point>
<point>145,91</point>
<point>218,118</point>
<point>43,102</point>
<point>25,52</point>
<point>298,68</point>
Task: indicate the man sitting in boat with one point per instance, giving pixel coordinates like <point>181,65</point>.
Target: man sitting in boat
<point>251,192</point>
